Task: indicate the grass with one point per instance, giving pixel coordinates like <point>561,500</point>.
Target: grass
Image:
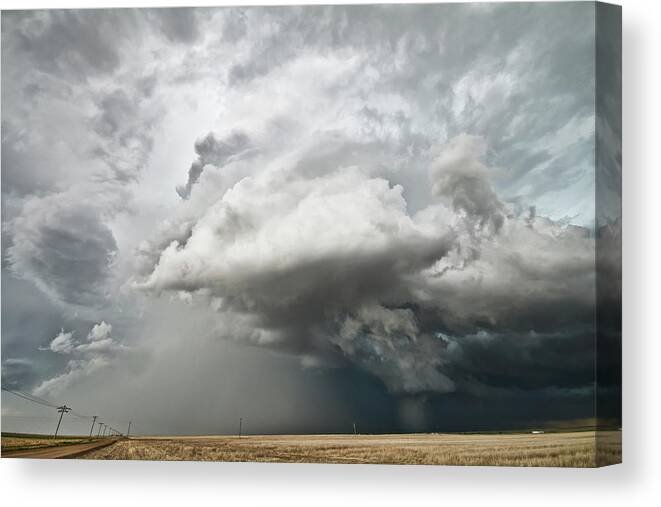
<point>567,449</point>
<point>21,441</point>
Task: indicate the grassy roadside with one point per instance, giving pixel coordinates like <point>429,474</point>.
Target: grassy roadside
<point>19,442</point>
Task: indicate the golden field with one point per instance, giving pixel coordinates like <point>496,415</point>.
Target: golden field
<point>18,442</point>
<point>569,449</point>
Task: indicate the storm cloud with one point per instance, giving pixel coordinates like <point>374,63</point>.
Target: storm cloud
<point>258,205</point>
<point>215,152</point>
<point>64,248</point>
<point>393,293</point>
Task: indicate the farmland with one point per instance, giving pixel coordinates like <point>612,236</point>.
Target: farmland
<point>18,441</point>
<point>568,449</point>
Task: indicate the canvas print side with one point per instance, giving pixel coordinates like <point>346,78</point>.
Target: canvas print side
<point>608,227</point>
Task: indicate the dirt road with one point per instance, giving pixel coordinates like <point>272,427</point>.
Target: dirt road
<point>59,452</point>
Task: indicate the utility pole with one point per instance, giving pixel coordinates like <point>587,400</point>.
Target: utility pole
<point>240,424</point>
<point>93,421</point>
<point>98,433</point>
<point>128,431</point>
<point>354,429</point>
<point>62,410</point>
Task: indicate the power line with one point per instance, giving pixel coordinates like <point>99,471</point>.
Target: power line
<point>42,401</point>
<point>36,417</point>
<point>37,399</point>
<point>62,409</point>
<point>85,417</point>
<point>30,397</point>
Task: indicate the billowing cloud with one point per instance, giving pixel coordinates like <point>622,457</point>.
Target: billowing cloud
<point>460,177</point>
<point>334,266</point>
<point>76,370</point>
<point>88,357</point>
<point>100,331</point>
<point>62,343</point>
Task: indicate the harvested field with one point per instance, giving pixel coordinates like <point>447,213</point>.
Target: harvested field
<point>571,449</point>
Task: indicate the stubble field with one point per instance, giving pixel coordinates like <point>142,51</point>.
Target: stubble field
<point>571,449</point>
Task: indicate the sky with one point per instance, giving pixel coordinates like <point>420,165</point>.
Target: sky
<point>306,217</point>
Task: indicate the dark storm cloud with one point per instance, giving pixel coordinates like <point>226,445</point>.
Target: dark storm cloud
<point>75,42</point>
<point>561,360</point>
<point>125,123</point>
<point>115,108</point>
<point>18,372</point>
<point>461,178</point>
<point>215,152</point>
<point>29,321</point>
<point>178,24</point>
<point>71,147</point>
<point>381,289</point>
<point>64,248</point>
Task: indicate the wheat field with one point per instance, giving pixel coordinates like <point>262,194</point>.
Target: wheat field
<point>571,449</point>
